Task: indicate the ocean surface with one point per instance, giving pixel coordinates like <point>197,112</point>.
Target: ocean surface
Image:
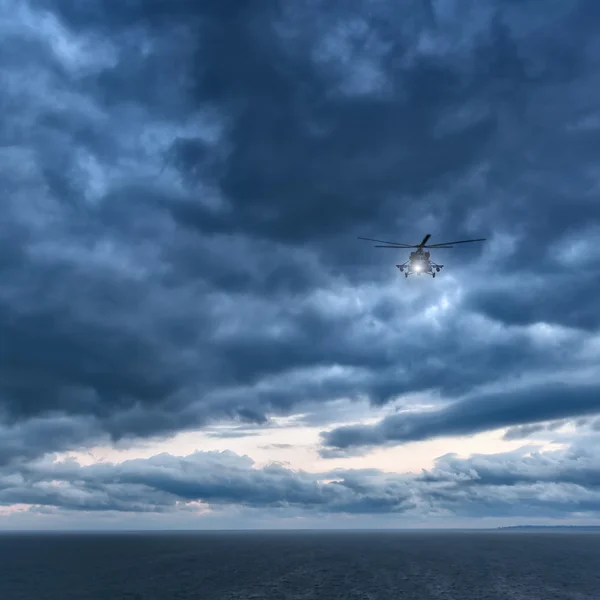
<point>301,565</point>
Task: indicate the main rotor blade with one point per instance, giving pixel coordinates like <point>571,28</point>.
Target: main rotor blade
<point>425,240</point>
<point>398,244</point>
<point>407,247</point>
<point>459,242</point>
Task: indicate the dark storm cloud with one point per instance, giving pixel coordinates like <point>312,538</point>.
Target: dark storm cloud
<point>183,183</point>
<point>574,306</point>
<point>481,412</point>
<point>522,432</point>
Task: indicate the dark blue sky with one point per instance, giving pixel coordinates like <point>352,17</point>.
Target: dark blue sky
<point>183,186</point>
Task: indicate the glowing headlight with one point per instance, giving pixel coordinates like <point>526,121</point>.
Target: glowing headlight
<point>418,267</point>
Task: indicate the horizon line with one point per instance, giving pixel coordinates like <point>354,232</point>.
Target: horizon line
<point>296,530</point>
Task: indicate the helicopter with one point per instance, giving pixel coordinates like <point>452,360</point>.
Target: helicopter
<point>419,261</point>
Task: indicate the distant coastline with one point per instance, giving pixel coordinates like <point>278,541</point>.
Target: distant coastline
<point>552,527</point>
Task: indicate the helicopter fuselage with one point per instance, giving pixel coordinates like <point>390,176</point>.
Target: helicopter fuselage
<point>420,263</point>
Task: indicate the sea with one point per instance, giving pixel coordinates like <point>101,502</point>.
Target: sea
<point>495,565</point>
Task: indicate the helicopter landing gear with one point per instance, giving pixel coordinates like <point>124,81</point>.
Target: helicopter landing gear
<point>433,274</point>
<point>405,274</point>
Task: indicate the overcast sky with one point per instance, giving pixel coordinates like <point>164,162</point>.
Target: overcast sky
<point>191,335</point>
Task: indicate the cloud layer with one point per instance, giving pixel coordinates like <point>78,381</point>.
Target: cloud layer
<point>183,188</point>
<point>526,483</point>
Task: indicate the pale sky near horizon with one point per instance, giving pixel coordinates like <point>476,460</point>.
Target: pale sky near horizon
<point>192,334</point>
